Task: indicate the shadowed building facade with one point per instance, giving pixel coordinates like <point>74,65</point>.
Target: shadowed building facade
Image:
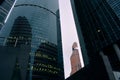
<point>15,50</point>
<point>98,29</point>
<point>115,5</point>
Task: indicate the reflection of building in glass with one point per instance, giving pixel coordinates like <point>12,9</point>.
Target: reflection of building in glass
<point>98,28</point>
<point>5,6</point>
<point>46,62</point>
<point>40,24</point>
<point>14,62</point>
<point>16,73</point>
<point>75,59</point>
<point>115,5</point>
<point>20,36</point>
<point>17,46</point>
<point>21,32</point>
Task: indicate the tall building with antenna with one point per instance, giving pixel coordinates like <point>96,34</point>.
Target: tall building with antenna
<point>75,59</point>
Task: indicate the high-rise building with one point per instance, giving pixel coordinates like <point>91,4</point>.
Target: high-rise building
<point>5,7</point>
<point>21,33</point>
<point>115,5</point>
<point>36,23</point>
<point>75,59</point>
<point>46,62</point>
<point>17,46</point>
<point>98,29</point>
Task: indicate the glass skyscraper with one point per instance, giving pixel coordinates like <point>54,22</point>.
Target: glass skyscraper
<point>115,5</point>
<point>98,28</point>
<point>35,24</point>
<point>21,33</point>
<point>5,7</point>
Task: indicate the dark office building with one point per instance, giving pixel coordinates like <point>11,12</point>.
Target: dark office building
<point>35,24</point>
<point>46,63</point>
<point>98,29</point>
<point>21,33</point>
<point>1,1</point>
<point>5,6</point>
<point>59,47</point>
<point>17,46</point>
<point>115,5</point>
<point>14,62</point>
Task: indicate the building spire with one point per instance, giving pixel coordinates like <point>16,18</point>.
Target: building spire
<point>75,59</point>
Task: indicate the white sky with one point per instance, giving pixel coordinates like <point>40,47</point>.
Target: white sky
<point>69,34</point>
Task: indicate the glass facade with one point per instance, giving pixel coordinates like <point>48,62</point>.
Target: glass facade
<point>21,33</point>
<point>98,29</point>
<point>115,5</point>
<point>35,24</point>
<point>5,6</point>
<point>45,62</point>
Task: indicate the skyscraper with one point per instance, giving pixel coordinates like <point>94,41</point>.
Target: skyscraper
<point>75,59</point>
<point>46,62</point>
<point>21,33</point>
<point>115,5</point>
<point>5,7</point>
<point>17,46</point>
<point>37,26</point>
<point>98,28</point>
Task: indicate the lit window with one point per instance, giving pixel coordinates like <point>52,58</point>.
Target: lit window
<point>98,30</point>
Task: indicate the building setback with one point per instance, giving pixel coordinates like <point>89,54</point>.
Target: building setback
<point>98,28</point>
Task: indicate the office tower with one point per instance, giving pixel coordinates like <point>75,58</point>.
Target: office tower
<point>75,59</point>
<point>20,37</point>
<point>15,51</point>
<point>40,30</point>
<point>21,33</point>
<point>5,7</point>
<point>98,28</point>
<point>46,62</point>
<point>115,5</point>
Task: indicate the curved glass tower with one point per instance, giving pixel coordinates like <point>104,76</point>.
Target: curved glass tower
<point>36,23</point>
